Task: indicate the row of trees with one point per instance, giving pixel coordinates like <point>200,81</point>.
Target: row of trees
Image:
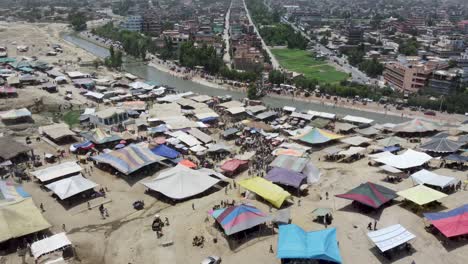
<point>282,35</point>
<point>77,21</point>
<point>372,67</point>
<point>192,56</point>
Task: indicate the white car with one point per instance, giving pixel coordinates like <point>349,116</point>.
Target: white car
<point>211,260</point>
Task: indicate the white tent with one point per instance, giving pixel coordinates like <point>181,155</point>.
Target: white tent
<point>321,114</point>
<point>189,140</point>
<point>390,237</point>
<point>390,169</point>
<point>380,155</point>
<point>409,159</point>
<point>57,171</point>
<point>357,119</point>
<point>430,178</point>
<point>70,186</point>
<point>352,151</point>
<point>356,140</point>
<point>181,182</point>
<point>49,244</point>
<point>203,137</point>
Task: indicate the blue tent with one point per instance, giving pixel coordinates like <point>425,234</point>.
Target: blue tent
<point>391,148</point>
<point>295,243</point>
<point>165,151</point>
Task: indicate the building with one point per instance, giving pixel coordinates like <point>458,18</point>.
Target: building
<point>133,23</point>
<point>444,82</point>
<point>152,24</point>
<point>463,26</point>
<point>110,116</point>
<point>411,73</point>
<point>463,64</point>
<point>355,35</point>
<point>247,58</point>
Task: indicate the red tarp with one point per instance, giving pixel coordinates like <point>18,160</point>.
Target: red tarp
<point>233,165</point>
<point>188,163</point>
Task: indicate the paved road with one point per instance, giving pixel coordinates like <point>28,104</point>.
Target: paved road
<point>274,62</point>
<point>227,54</point>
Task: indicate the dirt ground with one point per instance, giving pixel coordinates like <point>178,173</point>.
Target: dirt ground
<point>126,236</point>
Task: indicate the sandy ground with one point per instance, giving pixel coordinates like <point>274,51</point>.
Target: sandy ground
<point>126,236</point>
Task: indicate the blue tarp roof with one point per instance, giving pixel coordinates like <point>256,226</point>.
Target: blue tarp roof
<point>165,151</point>
<point>295,243</point>
<point>391,148</point>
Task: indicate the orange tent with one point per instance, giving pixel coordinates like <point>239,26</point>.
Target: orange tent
<point>188,163</point>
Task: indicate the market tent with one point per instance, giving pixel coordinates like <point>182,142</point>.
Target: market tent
<point>230,132</point>
<point>181,182</point>
<point>321,211</point>
<point>380,155</point>
<point>370,194</point>
<point>391,141</point>
<point>165,151</point>
<point>456,157</point>
<point>320,122</point>
<point>57,171</point>
<point>409,159</point>
<point>318,136</point>
<point>269,191</point>
<point>295,243</point>
<point>203,137</point>
<point>82,145</point>
<point>421,194</point>
<point>10,148</point>
<point>390,237</point>
<point>369,131</point>
<point>239,218</point>
<point>441,145</point>
<point>352,151</point>
<point>99,136</point>
<point>56,131</point>
<point>15,114</point>
<point>49,244</point>
<point>286,177</point>
<point>415,126</point>
<point>290,162</point>
<point>219,147</point>
<point>288,152</point>
<point>71,186</point>
<point>390,169</point>
<point>10,192</point>
<point>19,219</point>
<point>426,177</point>
<point>463,128</point>
<point>356,140</point>
<point>129,159</point>
<point>343,127</point>
<point>321,114</point>
<point>451,223</point>
<point>187,163</point>
<point>231,166</point>
<point>357,119</point>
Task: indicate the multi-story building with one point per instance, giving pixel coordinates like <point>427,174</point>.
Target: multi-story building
<point>411,74</point>
<point>133,23</point>
<point>444,82</point>
<point>355,35</point>
<point>463,64</point>
<point>247,58</point>
<point>463,26</point>
<point>152,24</point>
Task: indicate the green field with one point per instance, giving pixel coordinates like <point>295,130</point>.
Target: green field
<point>302,61</point>
<point>72,118</point>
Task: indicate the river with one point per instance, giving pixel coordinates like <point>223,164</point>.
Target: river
<point>163,78</point>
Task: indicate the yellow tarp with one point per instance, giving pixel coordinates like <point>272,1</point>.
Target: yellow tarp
<point>19,219</point>
<point>421,194</point>
<point>268,190</point>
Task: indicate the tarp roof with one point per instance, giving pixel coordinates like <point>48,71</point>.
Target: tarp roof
<point>409,159</point>
<point>421,194</point>
<point>321,114</point>
<point>165,151</point>
<point>343,127</point>
<point>390,169</point>
<point>390,237</point>
<point>239,218</point>
<point>290,162</point>
<point>266,115</point>
<point>320,122</point>
<point>286,177</point>
<point>189,140</point>
<point>370,194</point>
<point>203,137</point>
<point>129,159</point>
<point>71,186</point>
<point>10,148</point>
<point>352,151</point>
<point>99,136</point>
<point>201,98</point>
<point>318,136</point>
<point>179,122</point>
<point>233,164</point>
<point>231,104</point>
<point>49,244</point>
<point>181,182</point>
<point>357,119</point>
<point>302,116</point>
<point>230,131</point>
<point>368,131</point>
<point>56,131</point>
<point>15,114</point>
<point>391,141</point>
<point>427,177</point>
<point>383,154</point>
<point>255,108</point>
<point>236,110</point>
<point>19,219</point>
<point>295,243</point>
<point>57,171</point>
<point>269,191</point>
<point>219,147</point>
<point>356,140</point>
<point>415,126</point>
<point>441,145</point>
<point>451,223</point>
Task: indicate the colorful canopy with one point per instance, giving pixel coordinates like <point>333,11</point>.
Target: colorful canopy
<point>233,165</point>
<point>238,218</point>
<point>441,145</point>
<point>370,194</point>
<point>421,194</point>
<point>269,191</point>
<point>286,177</point>
<point>451,223</point>
<point>290,162</point>
<point>187,163</point>
<point>295,243</point>
<point>165,151</point>
<point>415,126</point>
<point>318,136</point>
<point>129,159</point>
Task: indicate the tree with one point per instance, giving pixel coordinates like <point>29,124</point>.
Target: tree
<point>276,77</point>
<point>97,62</point>
<point>372,68</point>
<point>252,91</point>
<point>77,21</point>
<point>324,41</point>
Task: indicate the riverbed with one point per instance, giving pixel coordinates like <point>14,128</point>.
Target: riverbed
<point>152,74</point>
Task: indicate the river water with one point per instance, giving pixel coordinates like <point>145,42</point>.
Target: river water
<point>163,78</point>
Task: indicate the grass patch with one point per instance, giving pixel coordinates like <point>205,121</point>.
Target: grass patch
<point>72,118</point>
<point>304,62</point>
